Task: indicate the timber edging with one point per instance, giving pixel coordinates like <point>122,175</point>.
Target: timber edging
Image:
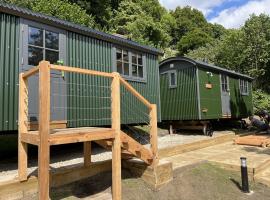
<point>182,148</point>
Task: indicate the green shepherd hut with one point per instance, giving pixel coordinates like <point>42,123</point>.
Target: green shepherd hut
<point>194,94</point>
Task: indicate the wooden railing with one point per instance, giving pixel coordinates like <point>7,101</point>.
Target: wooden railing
<point>44,70</point>
<point>44,99</point>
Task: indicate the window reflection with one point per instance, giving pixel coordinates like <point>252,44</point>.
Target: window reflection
<point>42,45</point>
<point>35,55</point>
<point>51,40</point>
<point>35,36</point>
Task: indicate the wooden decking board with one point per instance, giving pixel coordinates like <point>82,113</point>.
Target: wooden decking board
<point>72,135</point>
<point>253,140</point>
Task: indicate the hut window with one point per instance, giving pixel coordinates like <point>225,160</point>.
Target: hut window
<point>42,45</point>
<point>243,87</point>
<point>137,65</point>
<point>122,62</point>
<point>130,64</point>
<point>224,83</point>
<point>172,79</point>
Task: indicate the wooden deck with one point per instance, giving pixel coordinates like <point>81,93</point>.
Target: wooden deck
<point>70,135</point>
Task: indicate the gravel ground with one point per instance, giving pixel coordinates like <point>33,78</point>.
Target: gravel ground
<point>184,138</point>
<point>72,155</point>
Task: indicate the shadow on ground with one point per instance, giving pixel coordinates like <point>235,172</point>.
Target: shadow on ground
<point>200,182</point>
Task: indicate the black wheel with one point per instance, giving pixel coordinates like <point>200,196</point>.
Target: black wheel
<point>208,129</point>
<point>243,124</point>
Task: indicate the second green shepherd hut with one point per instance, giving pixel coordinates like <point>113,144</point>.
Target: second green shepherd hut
<point>194,94</point>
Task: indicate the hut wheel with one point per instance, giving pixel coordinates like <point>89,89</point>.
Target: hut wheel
<point>208,129</point>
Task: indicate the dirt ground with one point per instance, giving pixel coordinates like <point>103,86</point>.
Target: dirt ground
<point>201,182</point>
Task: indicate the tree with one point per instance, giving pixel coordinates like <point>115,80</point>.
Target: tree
<point>187,19</point>
<point>101,10</point>
<point>193,40</point>
<point>132,20</point>
<point>57,8</point>
<point>257,44</point>
<point>207,53</point>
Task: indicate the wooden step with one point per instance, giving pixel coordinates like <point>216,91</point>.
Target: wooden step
<point>129,147</point>
<point>137,149</point>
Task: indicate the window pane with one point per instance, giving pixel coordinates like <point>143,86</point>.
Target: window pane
<point>134,70</point>
<point>51,56</point>
<point>119,55</point>
<point>51,40</point>
<point>173,79</point>
<point>35,55</point>
<point>35,36</point>
<point>140,69</point>
<point>140,59</point>
<point>224,82</point>
<point>125,56</point>
<point>119,67</point>
<point>126,69</point>
<point>134,59</point>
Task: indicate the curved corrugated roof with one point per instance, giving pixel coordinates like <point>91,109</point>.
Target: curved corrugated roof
<point>53,21</point>
<point>204,65</point>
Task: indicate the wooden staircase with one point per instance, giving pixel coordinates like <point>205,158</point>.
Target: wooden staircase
<point>130,148</point>
<point>112,138</point>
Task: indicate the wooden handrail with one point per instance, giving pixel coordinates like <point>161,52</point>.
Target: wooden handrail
<point>82,71</point>
<point>30,72</point>
<point>135,93</point>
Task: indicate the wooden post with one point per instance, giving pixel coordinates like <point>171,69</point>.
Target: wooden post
<point>23,120</point>
<point>116,145</point>
<point>44,130</point>
<point>153,134</point>
<point>171,129</point>
<point>87,153</point>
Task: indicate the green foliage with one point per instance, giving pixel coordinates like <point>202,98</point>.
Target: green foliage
<point>207,53</point>
<point>101,10</point>
<point>187,19</point>
<point>58,8</point>
<point>193,40</point>
<point>132,20</point>
<point>261,101</point>
<point>191,30</point>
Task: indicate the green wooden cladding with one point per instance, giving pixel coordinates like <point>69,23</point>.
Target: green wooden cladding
<point>9,69</point>
<point>179,103</point>
<point>88,97</point>
<point>241,105</point>
<point>183,103</point>
<point>89,53</point>
<point>210,99</point>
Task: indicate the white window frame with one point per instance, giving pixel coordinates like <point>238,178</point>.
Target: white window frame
<point>130,76</point>
<point>170,79</point>
<point>243,87</point>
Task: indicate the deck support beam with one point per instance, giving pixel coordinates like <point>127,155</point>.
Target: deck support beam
<point>87,151</point>
<point>44,130</point>
<point>116,144</point>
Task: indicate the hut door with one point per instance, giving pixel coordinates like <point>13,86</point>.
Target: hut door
<point>225,96</point>
<point>41,42</point>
